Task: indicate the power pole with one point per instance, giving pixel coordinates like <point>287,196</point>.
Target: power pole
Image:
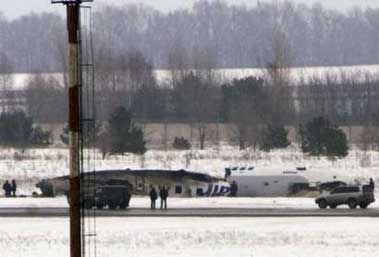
<point>74,94</point>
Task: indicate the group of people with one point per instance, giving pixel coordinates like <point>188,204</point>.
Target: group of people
<point>163,194</point>
<point>10,188</point>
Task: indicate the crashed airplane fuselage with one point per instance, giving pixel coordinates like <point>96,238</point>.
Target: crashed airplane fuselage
<point>181,183</point>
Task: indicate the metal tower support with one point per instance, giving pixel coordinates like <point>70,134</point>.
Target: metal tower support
<point>73,11</point>
<point>74,94</point>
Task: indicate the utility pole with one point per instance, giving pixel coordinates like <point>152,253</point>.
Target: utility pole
<point>74,94</point>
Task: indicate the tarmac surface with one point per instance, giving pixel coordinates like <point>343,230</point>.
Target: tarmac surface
<point>196,212</point>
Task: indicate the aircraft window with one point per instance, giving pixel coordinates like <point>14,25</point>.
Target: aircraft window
<point>338,190</point>
<point>352,189</point>
<point>250,168</point>
<point>276,181</point>
<point>199,192</point>
<point>178,189</point>
<point>243,168</point>
<point>266,183</point>
<point>235,168</point>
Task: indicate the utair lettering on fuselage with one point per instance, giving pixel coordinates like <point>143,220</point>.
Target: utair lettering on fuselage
<point>217,190</point>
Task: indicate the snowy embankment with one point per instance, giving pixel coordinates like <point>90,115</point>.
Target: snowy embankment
<point>201,237</point>
<point>32,165</point>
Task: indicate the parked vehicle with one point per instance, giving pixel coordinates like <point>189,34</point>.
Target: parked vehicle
<point>353,196</point>
<point>111,196</point>
<point>329,186</point>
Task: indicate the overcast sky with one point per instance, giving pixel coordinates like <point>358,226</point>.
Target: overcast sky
<point>15,8</point>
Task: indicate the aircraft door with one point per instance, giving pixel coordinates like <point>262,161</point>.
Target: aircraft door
<point>268,188</point>
<point>140,184</point>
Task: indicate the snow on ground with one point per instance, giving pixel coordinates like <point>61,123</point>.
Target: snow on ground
<point>200,237</point>
<point>213,202</point>
<point>32,165</point>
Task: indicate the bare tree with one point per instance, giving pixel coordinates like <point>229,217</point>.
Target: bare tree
<point>147,99</point>
<point>178,64</point>
<point>110,82</point>
<point>277,75</point>
<point>46,99</point>
<point>194,101</point>
<point>206,94</point>
<point>316,35</point>
<point>195,94</point>
<point>6,82</point>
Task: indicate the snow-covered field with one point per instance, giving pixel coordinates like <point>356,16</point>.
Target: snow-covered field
<point>193,237</point>
<point>32,165</point>
<point>198,237</point>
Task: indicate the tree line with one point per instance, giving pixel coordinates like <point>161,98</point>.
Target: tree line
<point>197,96</point>
<point>120,134</point>
<point>233,36</point>
<point>258,108</point>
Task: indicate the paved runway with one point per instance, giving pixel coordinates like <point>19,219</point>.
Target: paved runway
<point>198,212</point>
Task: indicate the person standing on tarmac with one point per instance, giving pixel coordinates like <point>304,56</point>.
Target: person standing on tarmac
<point>161,195</point>
<point>164,197</point>
<point>372,184</point>
<point>7,189</point>
<point>153,197</point>
<point>14,188</point>
<point>233,189</point>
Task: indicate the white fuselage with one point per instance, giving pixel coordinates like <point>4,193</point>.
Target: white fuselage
<point>250,185</point>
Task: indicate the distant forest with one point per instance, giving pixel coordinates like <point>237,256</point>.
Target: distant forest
<point>229,36</point>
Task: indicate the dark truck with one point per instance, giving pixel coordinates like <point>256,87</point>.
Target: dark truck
<point>111,196</point>
<point>353,196</point>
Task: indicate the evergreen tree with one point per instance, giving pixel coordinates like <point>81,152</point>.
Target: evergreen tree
<point>336,143</point>
<point>275,137</point>
<point>125,136</point>
<point>320,137</point>
<point>246,105</point>
<point>136,143</point>
<point>16,129</point>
